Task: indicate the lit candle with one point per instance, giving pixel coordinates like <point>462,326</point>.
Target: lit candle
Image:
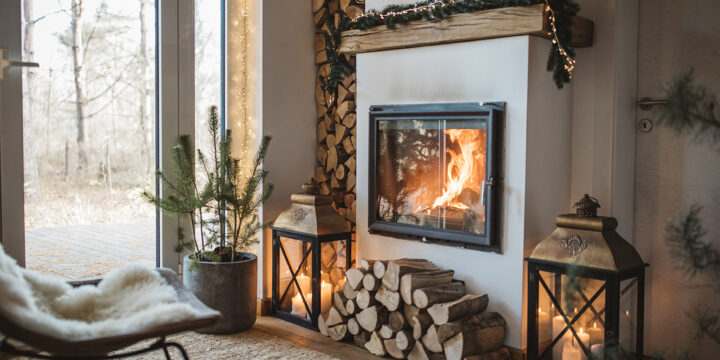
<point>298,307</point>
<point>544,329</point>
<point>557,326</point>
<point>626,330</point>
<point>585,338</point>
<point>325,296</point>
<point>571,351</point>
<point>597,335</point>
<point>304,282</point>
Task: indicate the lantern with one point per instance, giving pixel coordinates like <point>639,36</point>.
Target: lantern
<point>586,263</point>
<point>311,250</point>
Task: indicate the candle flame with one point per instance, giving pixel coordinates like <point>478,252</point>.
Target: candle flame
<point>627,313</point>
<point>581,332</point>
<point>595,324</point>
<point>539,309</point>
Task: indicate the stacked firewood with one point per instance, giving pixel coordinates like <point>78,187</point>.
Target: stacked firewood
<point>410,308</point>
<point>336,131</point>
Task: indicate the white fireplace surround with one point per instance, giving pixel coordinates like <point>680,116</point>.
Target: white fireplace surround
<point>537,139</point>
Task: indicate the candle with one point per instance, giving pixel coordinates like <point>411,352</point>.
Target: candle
<point>325,296</point>
<point>585,338</point>
<point>544,329</point>
<point>626,330</point>
<point>598,351</point>
<point>298,307</point>
<point>571,351</point>
<point>597,335</point>
<point>304,282</point>
<point>558,325</point>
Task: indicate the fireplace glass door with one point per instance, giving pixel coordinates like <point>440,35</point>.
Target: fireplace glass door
<point>435,168</point>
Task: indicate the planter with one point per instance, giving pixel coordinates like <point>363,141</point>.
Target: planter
<point>230,288</point>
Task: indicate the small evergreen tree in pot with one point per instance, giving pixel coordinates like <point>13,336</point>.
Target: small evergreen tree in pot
<point>223,211</point>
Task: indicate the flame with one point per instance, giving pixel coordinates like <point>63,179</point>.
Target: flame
<point>465,170</point>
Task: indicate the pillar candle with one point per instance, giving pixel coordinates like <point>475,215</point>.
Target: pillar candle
<point>325,296</point>
<point>304,282</point>
<point>597,335</point>
<point>571,352</point>
<point>585,338</point>
<point>544,327</point>
<point>298,307</point>
<point>626,330</point>
<point>558,324</point>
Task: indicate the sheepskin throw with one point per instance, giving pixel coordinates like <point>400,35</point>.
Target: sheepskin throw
<point>129,299</point>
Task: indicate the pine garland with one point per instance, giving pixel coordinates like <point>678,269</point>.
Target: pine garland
<point>560,60</point>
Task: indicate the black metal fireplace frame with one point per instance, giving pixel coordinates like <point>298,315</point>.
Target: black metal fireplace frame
<point>493,114</point>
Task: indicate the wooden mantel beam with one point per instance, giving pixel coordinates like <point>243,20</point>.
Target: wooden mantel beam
<point>487,24</point>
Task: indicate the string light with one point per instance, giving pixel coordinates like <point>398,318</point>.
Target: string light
<point>569,61</point>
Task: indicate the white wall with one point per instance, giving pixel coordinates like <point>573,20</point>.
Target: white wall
<point>507,69</point>
<point>288,109</point>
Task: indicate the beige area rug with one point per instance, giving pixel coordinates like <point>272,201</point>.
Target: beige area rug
<point>251,344</point>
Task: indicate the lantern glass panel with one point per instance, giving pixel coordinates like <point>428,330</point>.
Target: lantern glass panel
<point>333,264</point>
<point>295,258</point>
<point>628,310</point>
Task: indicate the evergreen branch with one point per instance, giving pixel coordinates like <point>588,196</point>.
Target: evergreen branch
<point>684,238</point>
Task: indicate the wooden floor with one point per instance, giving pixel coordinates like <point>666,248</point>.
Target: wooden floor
<point>310,339</point>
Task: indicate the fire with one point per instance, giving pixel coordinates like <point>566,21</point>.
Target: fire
<point>466,168</point>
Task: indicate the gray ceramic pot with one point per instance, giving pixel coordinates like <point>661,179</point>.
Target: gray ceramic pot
<point>230,288</point>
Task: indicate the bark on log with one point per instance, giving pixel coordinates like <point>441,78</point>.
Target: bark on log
<point>361,338</point>
<point>372,318</point>
<point>393,350</point>
<point>339,303</point>
<point>483,320</point>
<point>351,307</point>
<point>397,321</point>
<point>348,291</point>
<point>410,311</point>
<point>390,299</point>
<point>397,268</point>
<point>364,299</point>
<point>317,5</point>
<point>426,297</point>
<point>420,324</point>
<point>370,282</point>
<point>464,306</point>
<point>334,318</point>
<point>404,340</point>
<point>375,346</point>
<point>419,352</point>
<point>500,354</point>
<point>355,277</point>
<point>412,281</point>
<point>386,332</point>
<point>430,340</point>
<point>365,264</point>
<point>379,268</point>
<point>353,326</point>
<point>338,332</point>
<point>474,342</point>
<point>322,326</point>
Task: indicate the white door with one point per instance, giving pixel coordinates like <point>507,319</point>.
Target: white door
<point>674,172</point>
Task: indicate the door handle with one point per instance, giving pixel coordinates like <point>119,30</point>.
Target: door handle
<point>647,103</point>
<point>6,63</point>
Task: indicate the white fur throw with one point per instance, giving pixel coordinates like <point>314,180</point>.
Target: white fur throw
<point>130,299</point>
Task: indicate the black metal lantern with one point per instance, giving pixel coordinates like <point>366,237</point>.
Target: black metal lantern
<point>585,256</point>
<point>311,251</point>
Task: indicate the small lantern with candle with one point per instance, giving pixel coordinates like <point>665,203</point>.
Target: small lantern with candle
<point>310,252</point>
<point>583,259</point>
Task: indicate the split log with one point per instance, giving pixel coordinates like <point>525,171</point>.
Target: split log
<point>348,291</point>
<point>361,338</point>
<point>464,306</point>
<point>364,299</point>
<point>372,318</point>
<point>317,5</point>
<point>321,154</point>
<point>321,132</point>
<point>379,268</point>
<point>393,350</point>
<point>338,332</point>
<point>404,340</point>
<point>340,171</point>
<point>353,326</point>
<point>331,140</point>
<point>390,299</point>
<point>397,268</point>
<point>337,275</point>
<point>386,332</point>
<point>366,265</point>
<point>375,346</point>
<point>486,320</point>
<point>426,297</point>
<point>319,17</point>
<point>349,121</point>
<point>410,311</point>
<point>420,323</point>
<point>397,321</point>
<point>355,277</point>
<point>339,303</point>
<point>474,342</point>
<point>351,307</point>
<point>344,108</point>
<point>370,282</point>
<point>353,12</point>
<point>500,354</point>
<point>430,340</point>
<point>322,326</point>
<point>334,318</point>
<point>320,175</point>
<point>332,159</point>
<point>419,352</point>
<point>344,4</point>
<point>412,281</point>
<point>350,182</point>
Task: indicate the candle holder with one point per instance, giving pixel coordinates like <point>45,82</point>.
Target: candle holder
<point>311,250</point>
<point>582,260</point>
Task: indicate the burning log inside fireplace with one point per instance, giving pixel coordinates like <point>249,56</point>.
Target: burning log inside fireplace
<point>419,312</point>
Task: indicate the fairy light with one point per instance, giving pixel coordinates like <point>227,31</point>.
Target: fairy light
<point>569,61</point>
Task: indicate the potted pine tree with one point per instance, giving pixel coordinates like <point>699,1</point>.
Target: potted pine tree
<point>223,210</point>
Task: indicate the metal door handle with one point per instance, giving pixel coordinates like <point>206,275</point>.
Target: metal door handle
<point>647,103</point>
<point>8,63</point>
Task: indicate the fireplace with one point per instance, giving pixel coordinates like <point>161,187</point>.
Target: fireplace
<point>435,173</point>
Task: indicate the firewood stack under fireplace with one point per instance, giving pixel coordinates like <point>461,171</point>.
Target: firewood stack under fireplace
<point>411,309</point>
